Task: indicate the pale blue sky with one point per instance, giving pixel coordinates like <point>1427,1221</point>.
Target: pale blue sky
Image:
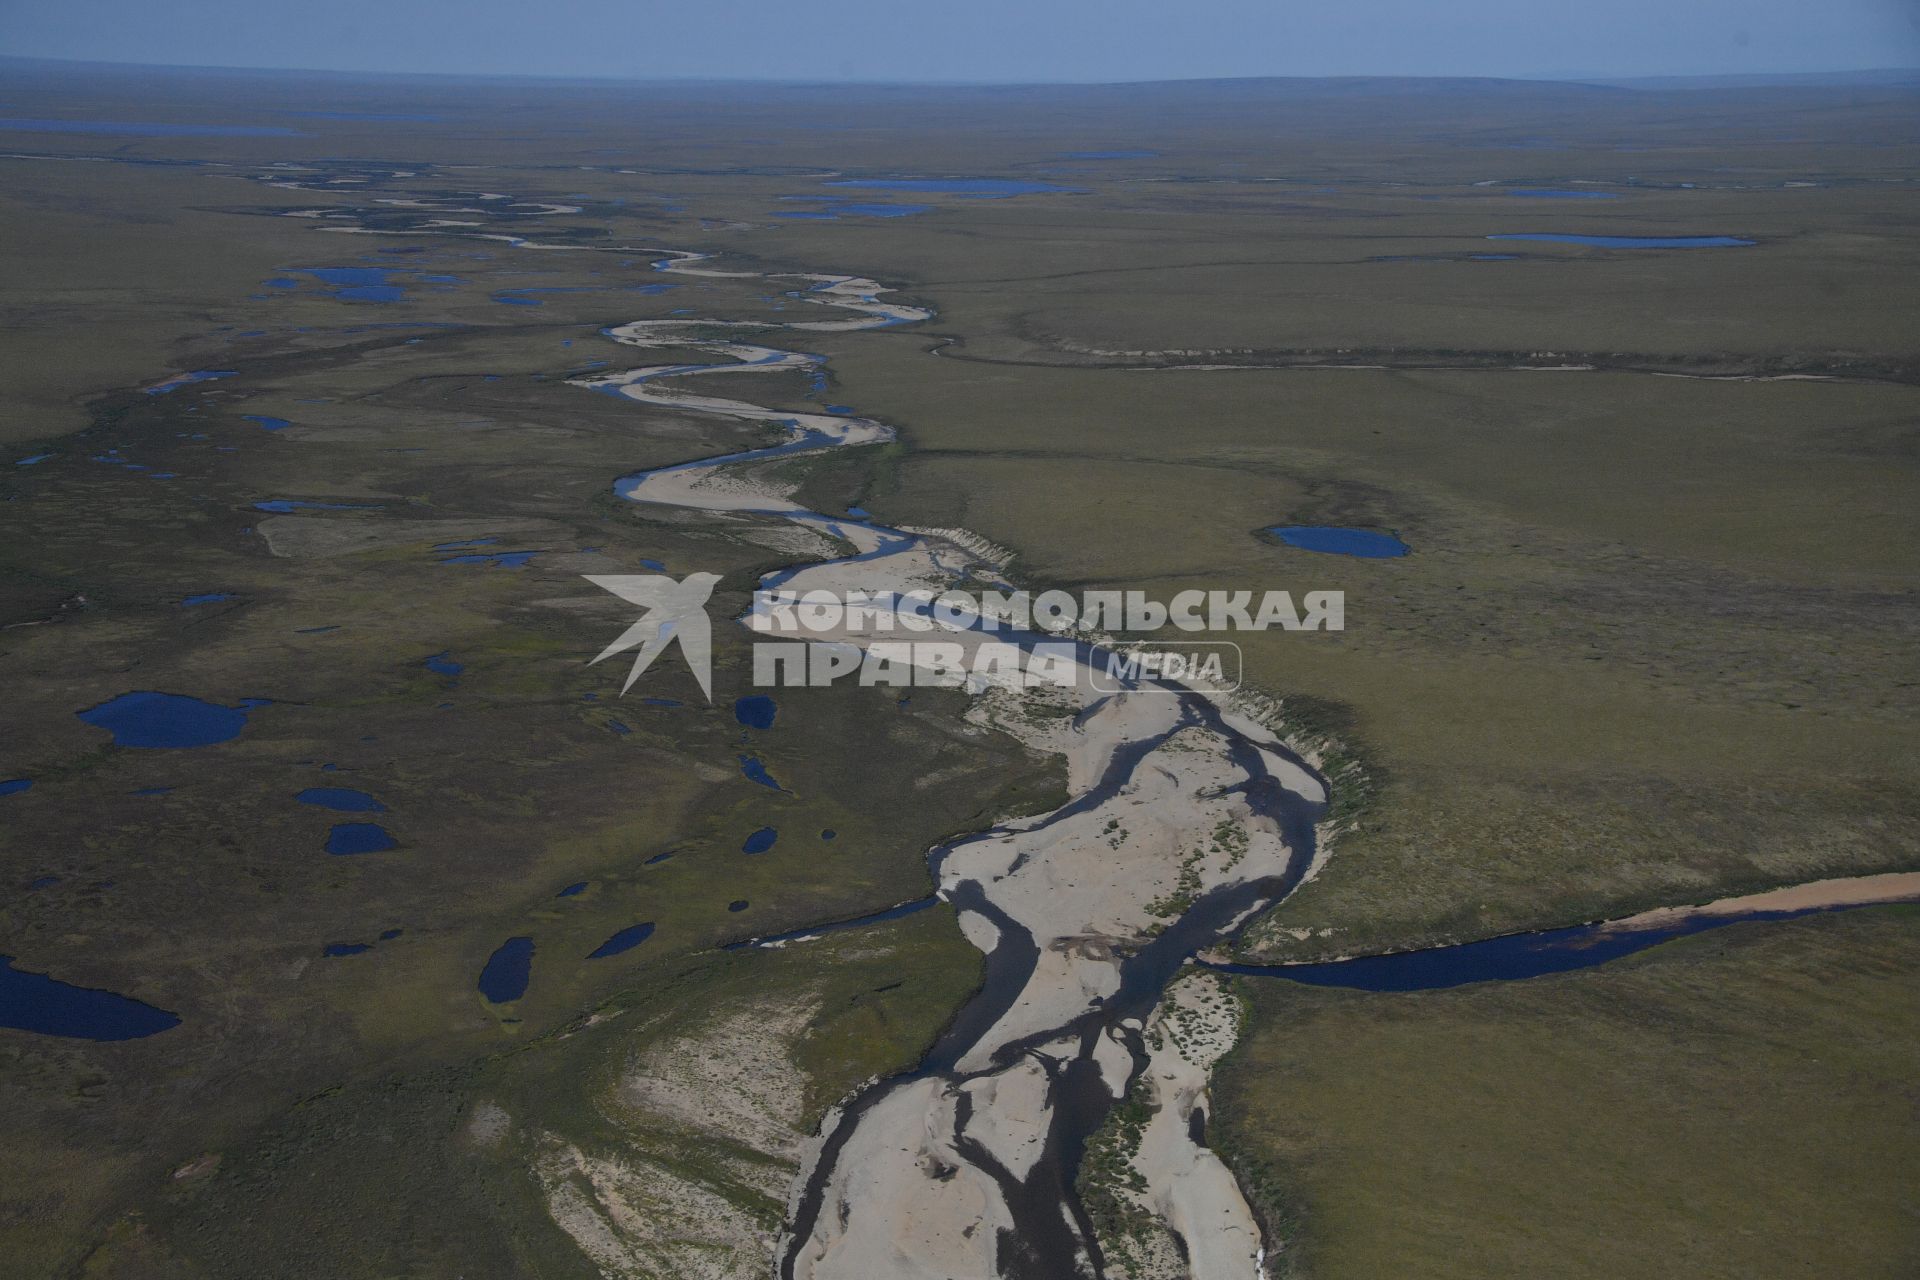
<point>992,40</point>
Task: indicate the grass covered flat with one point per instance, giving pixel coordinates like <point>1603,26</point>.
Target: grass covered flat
<point>1651,644</point>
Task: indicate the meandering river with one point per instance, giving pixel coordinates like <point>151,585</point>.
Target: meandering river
<point>1187,818</point>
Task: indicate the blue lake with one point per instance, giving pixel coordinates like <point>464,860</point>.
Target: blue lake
<point>738,904</point>
<point>345,948</point>
<point>753,770</point>
<point>281,506</point>
<point>625,940</point>
<point>266,423</point>
<point>341,800</point>
<point>33,461</point>
<point>980,188</point>
<point>507,972</point>
<point>14,786</point>
<point>348,838</point>
<point>360,284</point>
<point>441,665</point>
<point>829,834</point>
<point>38,1003</point>
<point>760,841</point>
<point>1365,543</point>
<point>862,210</point>
<point>168,720</point>
<point>212,597</point>
<point>573,890</point>
<point>495,559</point>
<point>756,711</point>
<point>1632,242</point>
<point>145,128</point>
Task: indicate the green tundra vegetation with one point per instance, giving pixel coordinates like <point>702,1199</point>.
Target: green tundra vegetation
<point>1653,644</point>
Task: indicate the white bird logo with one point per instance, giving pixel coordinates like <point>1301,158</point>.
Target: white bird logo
<point>674,611</point>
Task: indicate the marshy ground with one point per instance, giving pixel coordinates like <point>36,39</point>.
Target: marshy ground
<point>1652,644</point>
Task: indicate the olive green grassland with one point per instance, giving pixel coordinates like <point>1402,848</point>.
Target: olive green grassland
<point>1653,644</point>
<point>1661,1115</point>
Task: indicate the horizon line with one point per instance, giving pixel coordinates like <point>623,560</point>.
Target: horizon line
<point>1605,79</point>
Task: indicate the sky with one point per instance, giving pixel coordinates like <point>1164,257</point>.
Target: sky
<point>981,40</point>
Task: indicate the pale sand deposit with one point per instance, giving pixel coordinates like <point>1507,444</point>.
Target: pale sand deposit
<point>1185,822</point>
<point>1815,895</point>
<point>931,1174</point>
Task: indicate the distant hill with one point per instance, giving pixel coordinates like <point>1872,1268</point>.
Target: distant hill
<point>1243,88</point>
<point>1884,78</point>
<point>1360,86</point>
